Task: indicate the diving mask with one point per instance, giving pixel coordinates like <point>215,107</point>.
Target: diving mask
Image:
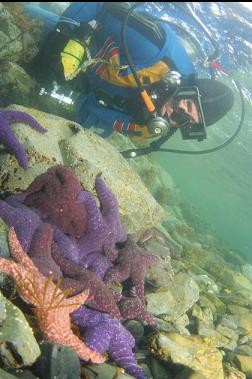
<point>191,128</point>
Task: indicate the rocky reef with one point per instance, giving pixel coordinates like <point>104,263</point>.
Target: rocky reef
<point>39,224</point>
<point>191,309</point>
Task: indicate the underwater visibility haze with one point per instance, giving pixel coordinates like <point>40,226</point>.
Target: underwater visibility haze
<point>219,184</point>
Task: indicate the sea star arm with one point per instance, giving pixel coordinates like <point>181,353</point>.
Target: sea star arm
<point>19,254</point>
<point>52,307</point>
<point>24,220</point>
<point>106,197</point>
<point>41,251</point>
<point>18,116</point>
<point>67,267</point>
<point>97,263</point>
<point>117,274</point>
<point>137,278</point>
<point>66,244</point>
<point>81,278</point>
<point>78,300</point>
<point>9,139</point>
<point>96,227</point>
<point>75,286</point>
<point>9,267</point>
<point>101,333</point>
<point>110,210</point>
<point>124,357</point>
<point>133,307</point>
<point>98,338</point>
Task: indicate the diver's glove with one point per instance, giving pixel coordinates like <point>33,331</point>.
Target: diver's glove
<point>135,132</point>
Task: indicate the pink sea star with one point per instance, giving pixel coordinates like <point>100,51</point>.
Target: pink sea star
<point>52,307</point>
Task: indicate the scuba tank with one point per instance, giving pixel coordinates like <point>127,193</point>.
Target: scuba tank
<point>71,58</point>
<point>64,50</point>
<point>76,51</point>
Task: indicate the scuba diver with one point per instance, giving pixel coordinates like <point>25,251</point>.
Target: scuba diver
<point>138,79</point>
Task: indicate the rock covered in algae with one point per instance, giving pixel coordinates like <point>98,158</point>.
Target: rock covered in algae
<point>175,300</point>
<point>189,374</point>
<point>245,363</point>
<point>105,371</point>
<point>57,361</point>
<point>4,247</point>
<point>194,352</point>
<point>232,372</point>
<point>18,346</point>
<point>6,375</point>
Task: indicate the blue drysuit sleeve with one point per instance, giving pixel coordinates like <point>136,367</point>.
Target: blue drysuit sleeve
<point>90,113</point>
<point>83,12</point>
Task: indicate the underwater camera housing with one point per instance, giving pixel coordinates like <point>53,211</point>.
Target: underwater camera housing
<point>190,129</point>
<point>60,96</point>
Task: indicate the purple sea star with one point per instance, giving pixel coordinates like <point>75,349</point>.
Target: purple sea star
<point>103,334</point>
<point>104,229</point>
<point>24,220</point>
<point>97,263</point>
<point>78,279</point>
<point>54,194</point>
<point>110,213</point>
<point>132,307</point>
<point>67,245</point>
<point>40,251</point>
<point>8,138</point>
<point>50,193</point>
<point>96,231</point>
<point>131,263</point>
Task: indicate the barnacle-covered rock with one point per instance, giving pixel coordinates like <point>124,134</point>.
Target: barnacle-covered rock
<point>195,352</point>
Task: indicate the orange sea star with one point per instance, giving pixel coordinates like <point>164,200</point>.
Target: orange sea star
<point>52,307</point>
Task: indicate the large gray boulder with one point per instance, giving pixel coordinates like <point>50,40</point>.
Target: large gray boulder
<point>18,34</point>
<point>15,84</point>
<point>10,41</point>
<point>18,346</point>
<point>88,154</point>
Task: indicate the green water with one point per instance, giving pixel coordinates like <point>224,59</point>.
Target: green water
<point>219,184</point>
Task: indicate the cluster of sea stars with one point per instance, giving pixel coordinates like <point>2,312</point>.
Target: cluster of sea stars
<point>52,307</point>
<point>84,257</point>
